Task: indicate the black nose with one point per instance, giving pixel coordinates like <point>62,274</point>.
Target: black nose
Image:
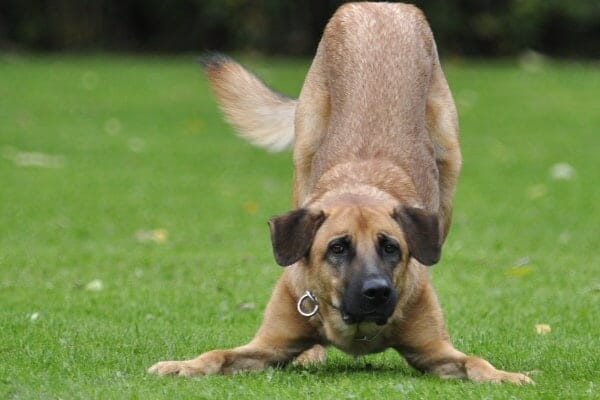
<point>376,291</point>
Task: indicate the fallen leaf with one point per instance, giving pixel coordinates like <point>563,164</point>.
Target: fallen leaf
<point>542,329</point>
<point>519,271</point>
<point>95,286</point>
<point>158,235</point>
<point>250,207</point>
<point>562,171</point>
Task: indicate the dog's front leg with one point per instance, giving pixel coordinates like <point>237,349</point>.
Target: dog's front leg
<point>444,360</point>
<point>424,342</point>
<point>251,357</point>
<point>283,335</point>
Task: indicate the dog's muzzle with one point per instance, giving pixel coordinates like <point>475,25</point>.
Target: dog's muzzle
<point>372,300</point>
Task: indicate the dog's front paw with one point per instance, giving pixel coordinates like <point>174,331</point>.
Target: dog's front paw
<point>209,363</point>
<point>479,370</point>
<point>182,368</point>
<point>515,377</point>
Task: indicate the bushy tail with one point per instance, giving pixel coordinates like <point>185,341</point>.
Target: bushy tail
<point>259,114</point>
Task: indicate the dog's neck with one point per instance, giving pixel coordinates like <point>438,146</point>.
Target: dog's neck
<point>377,180</point>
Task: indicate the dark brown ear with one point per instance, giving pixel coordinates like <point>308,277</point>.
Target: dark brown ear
<point>292,234</point>
<point>422,233</point>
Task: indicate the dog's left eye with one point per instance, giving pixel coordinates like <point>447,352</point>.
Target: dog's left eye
<point>390,248</point>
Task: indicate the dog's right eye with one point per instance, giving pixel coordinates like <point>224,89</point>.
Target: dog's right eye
<point>337,248</point>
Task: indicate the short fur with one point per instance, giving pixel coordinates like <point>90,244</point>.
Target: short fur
<point>376,158</point>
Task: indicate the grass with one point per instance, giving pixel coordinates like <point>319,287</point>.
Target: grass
<point>141,235</point>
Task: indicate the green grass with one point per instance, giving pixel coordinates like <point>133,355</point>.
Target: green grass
<point>141,146</point>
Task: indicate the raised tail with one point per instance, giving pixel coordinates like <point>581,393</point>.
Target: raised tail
<point>262,116</point>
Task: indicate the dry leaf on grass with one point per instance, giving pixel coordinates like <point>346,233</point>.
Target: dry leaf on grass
<point>542,329</point>
<point>519,271</point>
<point>562,171</point>
<point>250,207</point>
<point>95,286</point>
<point>158,235</point>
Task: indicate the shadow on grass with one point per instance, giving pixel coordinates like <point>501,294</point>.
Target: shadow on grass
<point>357,367</point>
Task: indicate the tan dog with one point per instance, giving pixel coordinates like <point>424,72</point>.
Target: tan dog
<point>376,159</point>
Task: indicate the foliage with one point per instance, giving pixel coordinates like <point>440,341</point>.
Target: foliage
<point>462,27</point>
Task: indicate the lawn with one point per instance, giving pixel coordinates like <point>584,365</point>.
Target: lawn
<point>133,229</point>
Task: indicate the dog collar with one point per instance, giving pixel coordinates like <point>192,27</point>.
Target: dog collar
<point>307,297</point>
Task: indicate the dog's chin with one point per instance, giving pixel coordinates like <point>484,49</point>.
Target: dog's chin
<point>378,319</point>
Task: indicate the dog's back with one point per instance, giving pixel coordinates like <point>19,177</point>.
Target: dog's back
<point>378,60</point>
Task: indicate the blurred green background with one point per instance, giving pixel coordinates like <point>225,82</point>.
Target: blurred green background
<point>462,27</point>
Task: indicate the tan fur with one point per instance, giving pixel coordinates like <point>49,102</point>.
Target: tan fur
<point>260,115</point>
<point>375,129</point>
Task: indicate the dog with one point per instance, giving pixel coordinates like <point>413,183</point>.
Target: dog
<point>376,157</point>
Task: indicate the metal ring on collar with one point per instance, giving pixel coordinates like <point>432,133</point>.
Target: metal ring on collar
<point>307,296</point>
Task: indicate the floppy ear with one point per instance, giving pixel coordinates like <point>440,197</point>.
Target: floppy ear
<point>422,233</point>
<point>292,234</point>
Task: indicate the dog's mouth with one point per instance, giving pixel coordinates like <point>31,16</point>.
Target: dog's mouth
<point>377,318</point>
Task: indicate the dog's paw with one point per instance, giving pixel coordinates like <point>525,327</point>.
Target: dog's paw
<point>314,355</point>
<point>209,363</point>
<point>479,370</point>
<point>182,368</point>
<point>516,378</point>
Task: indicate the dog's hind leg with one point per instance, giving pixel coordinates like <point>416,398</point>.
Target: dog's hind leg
<point>442,125</point>
<point>312,117</point>
<point>314,355</point>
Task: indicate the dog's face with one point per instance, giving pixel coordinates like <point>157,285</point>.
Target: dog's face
<point>355,255</point>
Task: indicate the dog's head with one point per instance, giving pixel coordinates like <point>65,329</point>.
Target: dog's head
<point>356,254</point>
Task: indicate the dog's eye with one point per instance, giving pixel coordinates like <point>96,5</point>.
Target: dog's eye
<point>337,248</point>
<point>390,248</point>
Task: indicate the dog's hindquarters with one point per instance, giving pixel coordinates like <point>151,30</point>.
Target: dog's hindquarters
<point>442,127</point>
<point>311,123</point>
